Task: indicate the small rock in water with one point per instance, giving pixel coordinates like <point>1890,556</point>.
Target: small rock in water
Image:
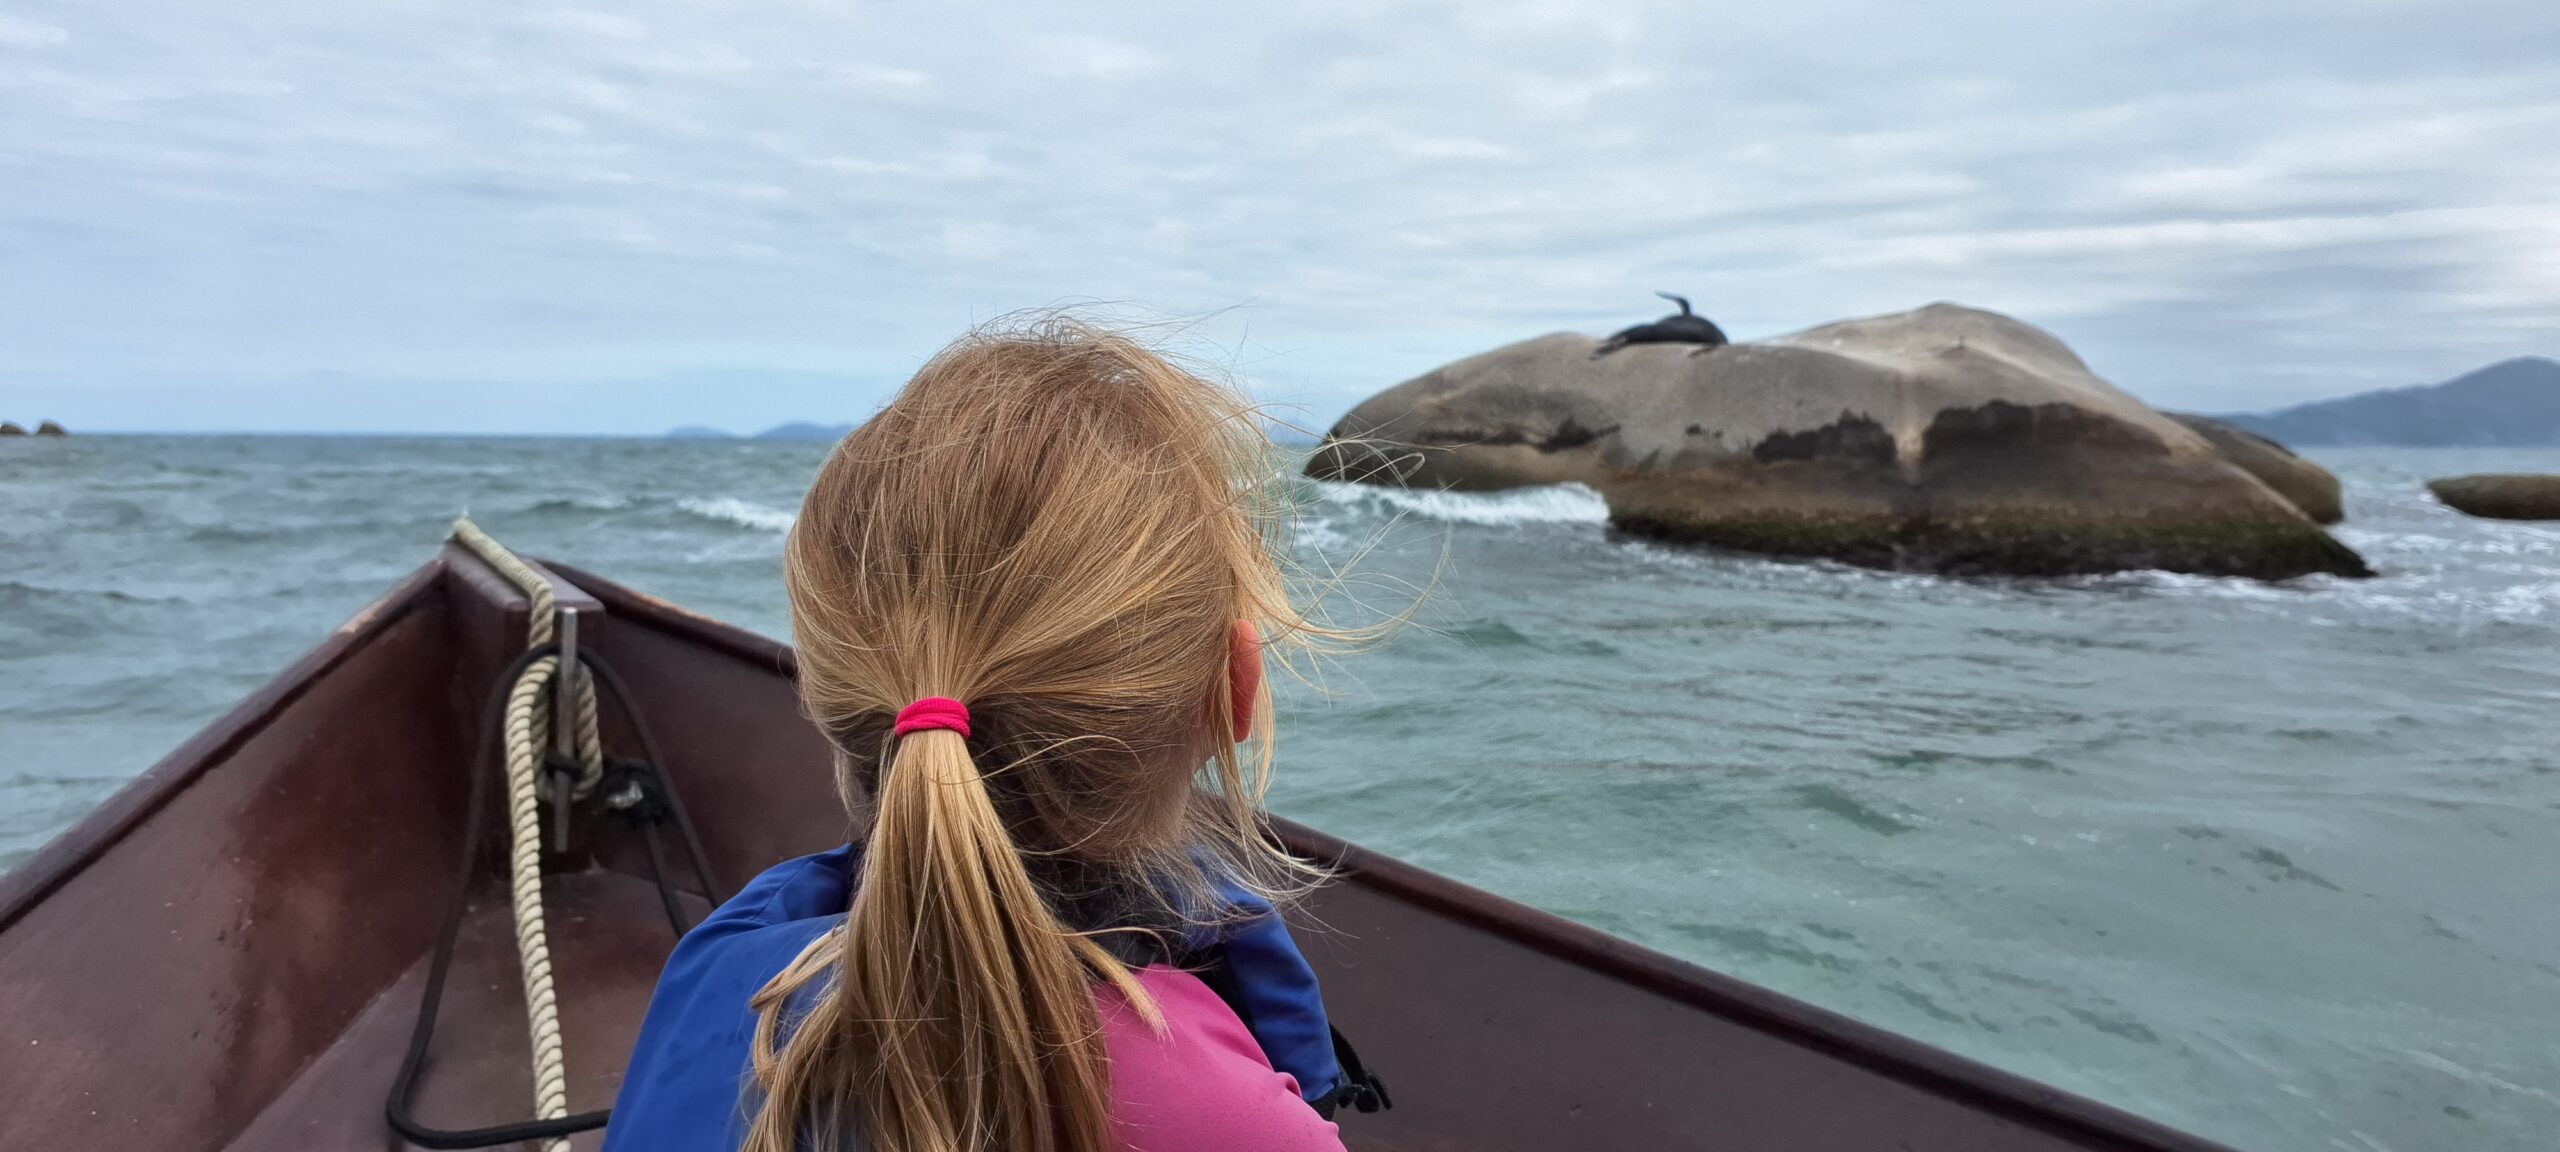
<point>2501,495</point>
<point>11,428</point>
<point>49,428</point>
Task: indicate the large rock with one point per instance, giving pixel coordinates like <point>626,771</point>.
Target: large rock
<point>2309,486</point>
<point>49,428</point>
<point>2501,496</point>
<point>11,428</point>
<point>1943,439</point>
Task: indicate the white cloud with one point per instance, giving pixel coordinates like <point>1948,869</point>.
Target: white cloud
<point>1096,57</point>
<point>593,23</point>
<point>2220,209</point>
<point>19,33</point>
<point>873,76</point>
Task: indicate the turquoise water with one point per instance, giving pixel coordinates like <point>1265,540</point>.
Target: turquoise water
<point>2278,864</point>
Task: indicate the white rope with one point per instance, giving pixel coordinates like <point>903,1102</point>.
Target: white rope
<point>542,614</point>
<point>528,732</point>
<point>528,727</point>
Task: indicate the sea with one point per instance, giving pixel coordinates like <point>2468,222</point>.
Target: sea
<point>2275,863</point>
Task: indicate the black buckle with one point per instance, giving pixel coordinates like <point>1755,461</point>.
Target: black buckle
<point>1360,1088</point>
<point>631,789</point>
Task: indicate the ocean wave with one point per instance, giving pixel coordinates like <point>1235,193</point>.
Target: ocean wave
<point>582,504</point>
<point>24,591</point>
<point>2197,583</point>
<point>2420,598</point>
<point>1545,504</point>
<point>2485,539</point>
<point>744,514</point>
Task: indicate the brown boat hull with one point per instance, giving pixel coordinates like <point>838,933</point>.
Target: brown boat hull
<point>229,954</point>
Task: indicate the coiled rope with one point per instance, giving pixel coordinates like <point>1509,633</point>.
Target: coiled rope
<point>528,732</point>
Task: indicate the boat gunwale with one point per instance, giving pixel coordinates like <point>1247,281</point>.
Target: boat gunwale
<point>71,851</point>
<point>1927,1068</point>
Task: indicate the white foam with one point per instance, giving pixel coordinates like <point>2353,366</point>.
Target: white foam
<point>2523,601</point>
<point>742,513</point>
<point>1545,504</point>
<point>2191,583</point>
<point>2487,539</point>
<point>2411,597</point>
<point>1319,534</point>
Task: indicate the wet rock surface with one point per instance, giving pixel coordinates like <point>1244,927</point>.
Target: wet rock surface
<point>1944,439</point>
<point>2309,486</point>
<point>2501,496</point>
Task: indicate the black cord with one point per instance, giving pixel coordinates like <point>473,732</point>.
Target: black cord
<point>421,1036</point>
<point>658,873</point>
<point>621,693</point>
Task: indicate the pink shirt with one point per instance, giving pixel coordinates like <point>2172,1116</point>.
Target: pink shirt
<point>1204,1085</point>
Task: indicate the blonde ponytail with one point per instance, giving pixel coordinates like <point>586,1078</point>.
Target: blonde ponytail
<point>1059,528</point>
<point>962,1011</point>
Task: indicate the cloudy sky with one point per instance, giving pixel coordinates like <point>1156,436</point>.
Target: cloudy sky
<point>401,215</point>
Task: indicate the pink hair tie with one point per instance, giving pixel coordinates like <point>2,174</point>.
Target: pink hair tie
<point>933,712</point>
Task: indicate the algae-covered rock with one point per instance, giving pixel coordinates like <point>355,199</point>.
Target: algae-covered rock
<point>1944,439</point>
<point>2312,488</point>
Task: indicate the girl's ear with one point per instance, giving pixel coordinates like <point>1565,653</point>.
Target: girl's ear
<point>1244,676</point>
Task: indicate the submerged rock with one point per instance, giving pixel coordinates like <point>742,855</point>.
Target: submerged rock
<point>1944,439</point>
<point>2311,487</point>
<point>49,428</point>
<point>2501,495</point>
<point>11,428</point>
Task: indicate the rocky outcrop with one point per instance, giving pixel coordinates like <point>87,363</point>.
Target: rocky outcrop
<point>49,428</point>
<point>2309,486</point>
<point>1943,439</point>
<point>11,428</point>
<point>2501,496</point>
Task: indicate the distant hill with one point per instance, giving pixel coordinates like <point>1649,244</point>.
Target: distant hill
<point>804,431</point>
<point>2509,404</point>
<point>1282,435</point>
<point>793,431</point>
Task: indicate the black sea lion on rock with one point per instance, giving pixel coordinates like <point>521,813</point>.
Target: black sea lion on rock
<point>1686,328</point>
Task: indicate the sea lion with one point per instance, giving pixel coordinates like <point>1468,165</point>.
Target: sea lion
<point>1686,328</point>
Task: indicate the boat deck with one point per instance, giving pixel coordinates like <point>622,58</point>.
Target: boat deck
<point>608,939</point>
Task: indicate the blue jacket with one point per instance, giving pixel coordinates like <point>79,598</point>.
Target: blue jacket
<point>687,1083</point>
